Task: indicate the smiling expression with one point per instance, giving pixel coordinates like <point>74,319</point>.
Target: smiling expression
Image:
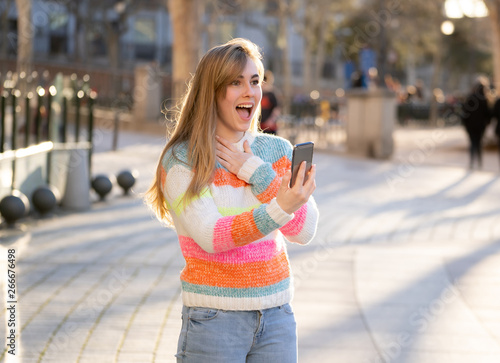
<point>237,108</point>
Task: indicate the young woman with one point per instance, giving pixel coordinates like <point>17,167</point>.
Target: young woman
<point>224,187</point>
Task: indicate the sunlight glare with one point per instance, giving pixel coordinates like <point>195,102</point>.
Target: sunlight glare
<point>456,9</point>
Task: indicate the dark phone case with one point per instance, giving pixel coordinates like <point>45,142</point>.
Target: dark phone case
<point>301,152</point>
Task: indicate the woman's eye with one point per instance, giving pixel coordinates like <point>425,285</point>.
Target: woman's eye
<point>255,83</point>
<point>235,83</point>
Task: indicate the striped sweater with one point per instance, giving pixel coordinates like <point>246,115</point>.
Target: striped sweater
<point>232,235</point>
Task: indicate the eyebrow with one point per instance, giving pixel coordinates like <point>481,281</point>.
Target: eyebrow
<point>255,75</point>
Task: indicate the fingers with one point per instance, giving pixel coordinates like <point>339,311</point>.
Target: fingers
<point>223,162</point>
<point>246,147</point>
<point>310,184</point>
<point>285,181</point>
<point>300,175</point>
<point>224,144</point>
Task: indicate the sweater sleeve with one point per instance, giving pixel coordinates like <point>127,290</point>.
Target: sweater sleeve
<point>199,218</point>
<point>302,228</point>
<point>265,180</point>
<point>264,176</point>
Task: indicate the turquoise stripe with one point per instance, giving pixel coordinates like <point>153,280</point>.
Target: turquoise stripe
<point>271,148</point>
<point>262,178</point>
<point>263,220</point>
<point>174,156</point>
<point>237,292</point>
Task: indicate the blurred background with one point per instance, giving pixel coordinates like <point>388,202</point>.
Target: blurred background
<point>426,51</point>
<point>123,64</point>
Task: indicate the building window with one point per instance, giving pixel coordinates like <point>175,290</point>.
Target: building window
<point>145,38</point>
<point>58,33</point>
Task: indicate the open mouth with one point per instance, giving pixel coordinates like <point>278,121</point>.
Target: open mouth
<point>244,110</point>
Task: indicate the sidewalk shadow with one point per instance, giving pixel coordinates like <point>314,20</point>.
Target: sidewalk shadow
<point>438,201</point>
<point>393,351</point>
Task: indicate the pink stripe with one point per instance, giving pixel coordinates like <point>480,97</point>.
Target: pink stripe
<point>223,240</point>
<point>294,227</point>
<point>254,252</point>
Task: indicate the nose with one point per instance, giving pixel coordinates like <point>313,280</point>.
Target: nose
<point>249,91</point>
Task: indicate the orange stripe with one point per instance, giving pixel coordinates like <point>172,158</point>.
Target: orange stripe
<point>244,230</point>
<point>163,177</point>
<point>282,165</point>
<point>272,190</point>
<point>253,274</point>
<point>223,177</point>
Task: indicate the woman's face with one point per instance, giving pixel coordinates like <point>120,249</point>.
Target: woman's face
<point>236,109</point>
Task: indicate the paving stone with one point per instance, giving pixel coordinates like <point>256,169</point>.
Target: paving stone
<point>406,272</point>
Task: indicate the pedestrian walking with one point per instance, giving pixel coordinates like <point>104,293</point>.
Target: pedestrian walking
<point>496,115</point>
<point>224,187</point>
<point>270,109</point>
<point>476,116</point>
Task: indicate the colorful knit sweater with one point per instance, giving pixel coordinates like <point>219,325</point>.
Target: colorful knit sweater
<point>231,236</point>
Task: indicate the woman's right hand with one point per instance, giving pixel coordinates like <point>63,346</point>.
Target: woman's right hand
<point>291,199</point>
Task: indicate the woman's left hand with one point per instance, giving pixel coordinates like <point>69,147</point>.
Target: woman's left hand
<point>231,158</point>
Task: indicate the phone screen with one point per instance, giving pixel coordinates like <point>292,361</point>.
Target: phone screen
<point>301,152</point>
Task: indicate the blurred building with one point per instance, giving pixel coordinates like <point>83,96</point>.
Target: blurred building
<point>98,36</point>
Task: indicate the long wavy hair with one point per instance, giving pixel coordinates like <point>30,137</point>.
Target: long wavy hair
<point>196,119</point>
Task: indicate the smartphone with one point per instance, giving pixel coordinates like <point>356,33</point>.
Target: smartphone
<point>301,152</point>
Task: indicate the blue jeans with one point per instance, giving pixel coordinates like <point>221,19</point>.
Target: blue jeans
<point>222,336</point>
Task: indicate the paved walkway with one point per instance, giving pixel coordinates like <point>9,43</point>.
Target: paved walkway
<point>404,267</point>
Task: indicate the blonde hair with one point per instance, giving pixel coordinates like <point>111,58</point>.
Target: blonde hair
<point>196,119</point>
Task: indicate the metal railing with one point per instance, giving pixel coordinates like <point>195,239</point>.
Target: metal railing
<point>43,115</point>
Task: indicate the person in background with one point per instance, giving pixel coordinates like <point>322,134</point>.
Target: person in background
<point>224,187</point>
<point>476,116</point>
<point>496,115</point>
<point>270,110</point>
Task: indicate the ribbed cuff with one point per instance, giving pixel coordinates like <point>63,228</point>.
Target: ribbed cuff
<point>277,214</point>
<point>249,168</point>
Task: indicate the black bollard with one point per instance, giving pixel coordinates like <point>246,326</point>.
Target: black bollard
<point>126,180</point>
<point>45,198</point>
<point>102,185</point>
<point>14,207</point>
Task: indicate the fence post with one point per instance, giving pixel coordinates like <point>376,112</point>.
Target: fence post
<point>2,116</point>
<point>116,127</point>
<point>13,143</point>
<point>38,121</point>
<point>90,101</point>
<point>27,123</point>
<point>78,97</point>
<point>13,146</point>
<point>64,130</point>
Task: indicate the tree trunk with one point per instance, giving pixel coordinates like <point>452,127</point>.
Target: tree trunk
<point>185,17</point>
<point>283,46</point>
<point>4,48</point>
<point>25,34</point>
<point>494,14</point>
<point>212,28</point>
<point>320,53</point>
<point>308,34</point>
